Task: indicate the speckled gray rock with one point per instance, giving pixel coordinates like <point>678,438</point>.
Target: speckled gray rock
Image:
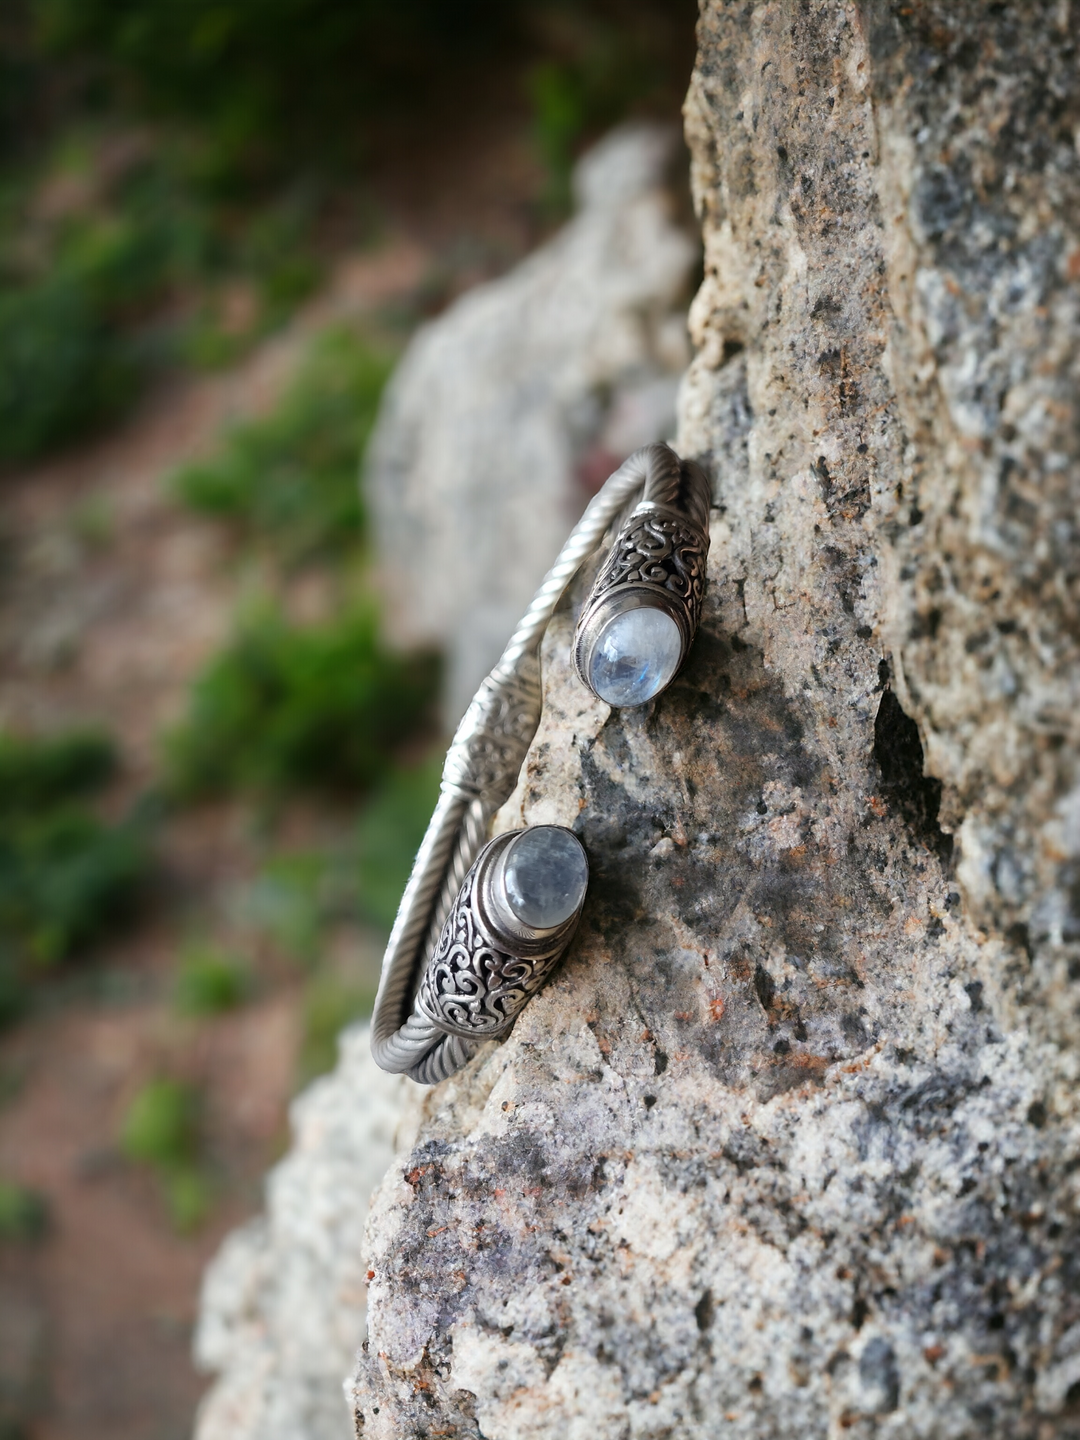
<point>791,1145</point>
<point>569,361</point>
<point>282,1309</point>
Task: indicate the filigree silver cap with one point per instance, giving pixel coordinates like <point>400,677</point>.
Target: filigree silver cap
<point>496,950</point>
<point>639,621</point>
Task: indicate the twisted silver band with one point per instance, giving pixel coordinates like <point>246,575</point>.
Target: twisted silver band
<point>479,775</point>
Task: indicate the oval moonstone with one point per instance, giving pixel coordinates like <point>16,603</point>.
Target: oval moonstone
<point>635,656</point>
<point>545,876</point>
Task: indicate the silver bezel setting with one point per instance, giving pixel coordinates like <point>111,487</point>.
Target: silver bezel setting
<point>617,602</point>
<point>657,561</point>
<point>487,963</point>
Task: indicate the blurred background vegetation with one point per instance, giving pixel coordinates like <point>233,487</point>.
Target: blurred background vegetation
<point>177,173</point>
<point>178,179</point>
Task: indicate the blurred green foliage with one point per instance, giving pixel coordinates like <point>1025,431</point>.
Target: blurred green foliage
<point>161,1129</point>
<point>24,1215</point>
<point>189,1195</point>
<point>210,981</point>
<point>160,1126</point>
<point>325,706</point>
<point>298,896</point>
<point>605,68</point>
<point>62,370</point>
<point>66,877</point>
<point>291,901</point>
<point>288,81</point>
<point>292,479</point>
<point>559,120</point>
<point>38,774</point>
<point>272,81</point>
<point>330,1003</point>
<point>177,171</point>
<point>388,835</point>
<point>113,262</point>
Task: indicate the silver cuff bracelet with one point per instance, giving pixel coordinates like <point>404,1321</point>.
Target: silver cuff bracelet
<point>474,939</point>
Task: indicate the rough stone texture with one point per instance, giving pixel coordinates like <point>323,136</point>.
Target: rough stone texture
<point>526,387</point>
<point>282,1310</point>
<point>791,1145</point>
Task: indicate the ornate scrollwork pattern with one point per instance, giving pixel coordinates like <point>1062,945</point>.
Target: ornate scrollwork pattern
<point>662,550</point>
<point>470,986</point>
<point>494,735</point>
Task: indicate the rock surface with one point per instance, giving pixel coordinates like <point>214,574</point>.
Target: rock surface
<point>282,1309</point>
<point>791,1144</point>
<point>524,389</point>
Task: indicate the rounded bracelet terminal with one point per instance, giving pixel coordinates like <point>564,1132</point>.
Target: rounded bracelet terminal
<point>638,624</point>
<point>490,961</point>
<point>413,1035</point>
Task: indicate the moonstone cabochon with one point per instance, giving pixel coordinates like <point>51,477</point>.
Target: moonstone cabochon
<point>635,656</point>
<point>545,875</point>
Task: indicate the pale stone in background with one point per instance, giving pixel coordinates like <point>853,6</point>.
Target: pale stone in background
<point>473,471</point>
<point>282,1309</point>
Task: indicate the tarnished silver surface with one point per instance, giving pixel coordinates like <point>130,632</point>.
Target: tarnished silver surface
<point>658,558</point>
<point>482,767</point>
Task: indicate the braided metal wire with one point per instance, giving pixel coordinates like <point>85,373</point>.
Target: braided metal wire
<point>481,770</point>
<point>679,485</point>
